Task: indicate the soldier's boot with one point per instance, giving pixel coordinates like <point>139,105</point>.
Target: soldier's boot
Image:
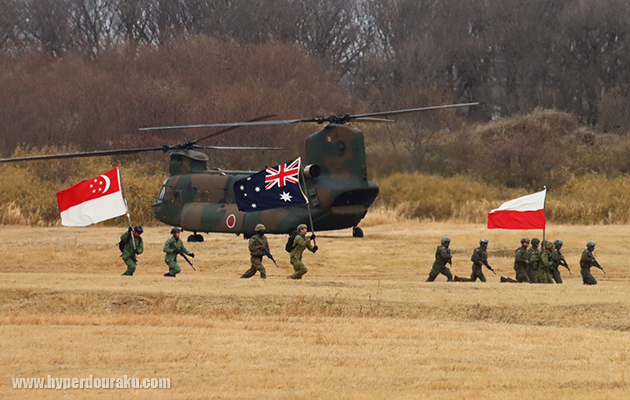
<point>503,279</point>
<point>456,278</point>
<point>168,275</point>
<point>263,275</point>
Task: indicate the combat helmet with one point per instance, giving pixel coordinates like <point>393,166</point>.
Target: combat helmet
<point>590,244</point>
<point>446,239</point>
<point>535,241</point>
<point>558,242</point>
<point>525,240</point>
<point>548,245</point>
<point>138,229</point>
<point>483,242</point>
<point>302,226</point>
<point>260,228</point>
<point>175,230</point>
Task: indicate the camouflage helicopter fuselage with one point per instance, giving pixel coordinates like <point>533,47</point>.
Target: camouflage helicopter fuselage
<point>202,200</point>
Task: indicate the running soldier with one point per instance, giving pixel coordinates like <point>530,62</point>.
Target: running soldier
<point>131,245</point>
<point>586,262</point>
<point>258,247</point>
<point>534,260</point>
<point>173,247</point>
<point>479,259</point>
<point>521,261</point>
<point>300,243</point>
<point>557,259</point>
<point>544,265</point>
<point>442,257</point>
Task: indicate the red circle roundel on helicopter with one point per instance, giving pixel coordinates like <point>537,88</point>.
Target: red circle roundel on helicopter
<point>230,221</point>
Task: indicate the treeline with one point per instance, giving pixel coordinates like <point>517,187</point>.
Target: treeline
<point>514,55</point>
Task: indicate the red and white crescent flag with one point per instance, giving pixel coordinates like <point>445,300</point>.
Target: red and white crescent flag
<point>92,201</point>
<point>527,212</point>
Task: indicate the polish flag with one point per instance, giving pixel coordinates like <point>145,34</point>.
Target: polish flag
<point>527,212</point>
<point>92,201</point>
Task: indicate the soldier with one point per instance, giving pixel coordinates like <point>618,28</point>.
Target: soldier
<point>300,243</point>
<point>172,248</point>
<point>557,259</point>
<point>586,262</point>
<point>258,247</point>
<point>534,260</point>
<point>131,249</point>
<point>544,265</point>
<point>479,259</point>
<point>442,257</point>
<point>521,260</point>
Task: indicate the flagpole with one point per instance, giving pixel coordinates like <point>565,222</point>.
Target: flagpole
<point>544,212</point>
<point>308,206</point>
<point>122,188</point>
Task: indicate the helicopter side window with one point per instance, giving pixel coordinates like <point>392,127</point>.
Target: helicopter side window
<point>177,196</point>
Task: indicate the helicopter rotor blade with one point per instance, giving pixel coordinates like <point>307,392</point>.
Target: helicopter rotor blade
<point>222,131</point>
<point>237,148</point>
<point>333,119</point>
<point>231,125</point>
<point>412,110</point>
<point>86,154</point>
<point>368,119</point>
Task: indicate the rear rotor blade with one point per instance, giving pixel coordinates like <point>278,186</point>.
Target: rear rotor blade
<point>228,125</point>
<point>412,110</point>
<point>222,131</point>
<point>333,119</point>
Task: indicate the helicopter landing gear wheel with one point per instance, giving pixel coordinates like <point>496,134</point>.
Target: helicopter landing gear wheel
<point>357,232</point>
<point>195,238</point>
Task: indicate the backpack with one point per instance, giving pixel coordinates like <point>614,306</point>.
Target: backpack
<point>123,243</point>
<point>290,240</point>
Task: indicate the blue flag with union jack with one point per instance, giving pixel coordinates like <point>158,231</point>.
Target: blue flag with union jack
<point>272,188</point>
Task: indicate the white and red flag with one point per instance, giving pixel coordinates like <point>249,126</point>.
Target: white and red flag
<point>92,201</point>
<point>527,212</point>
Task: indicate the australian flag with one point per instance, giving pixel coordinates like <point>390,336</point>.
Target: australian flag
<point>271,188</point>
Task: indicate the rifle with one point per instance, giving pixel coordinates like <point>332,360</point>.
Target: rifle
<point>269,256</point>
<point>181,253</point>
<point>596,265</point>
<point>564,264</point>
<point>267,252</point>
<point>490,268</point>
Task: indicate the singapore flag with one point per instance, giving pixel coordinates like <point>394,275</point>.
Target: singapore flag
<point>92,201</point>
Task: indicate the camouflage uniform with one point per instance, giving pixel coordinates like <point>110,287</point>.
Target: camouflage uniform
<point>258,247</point>
<point>534,261</point>
<point>442,257</point>
<point>479,259</point>
<point>129,252</point>
<point>586,262</point>
<point>521,261</point>
<point>171,248</point>
<point>300,243</point>
<point>556,261</point>
<point>544,265</point>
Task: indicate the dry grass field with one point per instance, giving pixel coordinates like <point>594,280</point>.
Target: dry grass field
<point>362,324</point>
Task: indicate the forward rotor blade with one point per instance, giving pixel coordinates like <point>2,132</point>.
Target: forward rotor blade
<point>85,154</point>
<point>412,110</point>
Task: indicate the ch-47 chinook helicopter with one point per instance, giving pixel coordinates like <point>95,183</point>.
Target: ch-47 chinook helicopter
<point>334,178</point>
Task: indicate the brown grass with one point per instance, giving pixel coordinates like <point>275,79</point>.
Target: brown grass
<point>362,324</point>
